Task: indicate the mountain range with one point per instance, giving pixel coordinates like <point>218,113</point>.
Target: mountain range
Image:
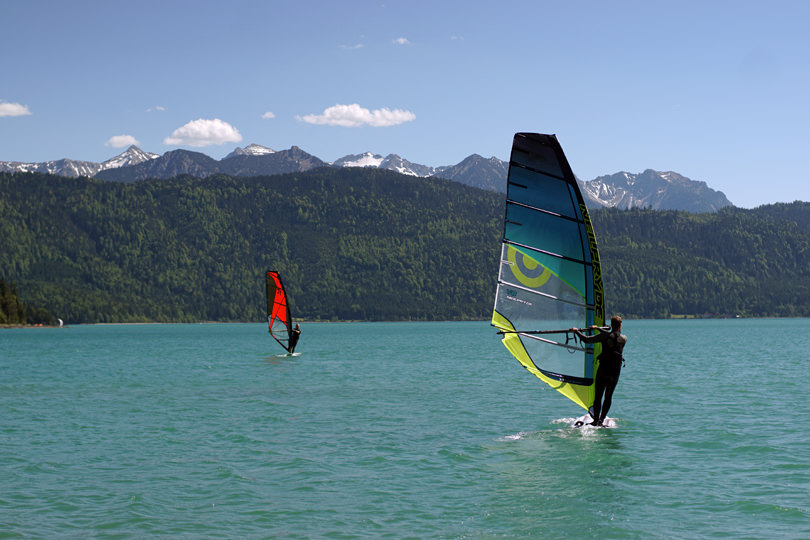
<point>649,189</point>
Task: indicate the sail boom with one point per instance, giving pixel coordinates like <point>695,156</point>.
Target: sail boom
<point>551,342</point>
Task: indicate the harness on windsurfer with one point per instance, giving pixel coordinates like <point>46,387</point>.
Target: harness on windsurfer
<point>294,335</point>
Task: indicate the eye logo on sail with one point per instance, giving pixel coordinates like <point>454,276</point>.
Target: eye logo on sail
<point>527,271</point>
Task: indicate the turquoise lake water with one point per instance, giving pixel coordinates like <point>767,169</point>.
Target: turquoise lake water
<point>398,430</point>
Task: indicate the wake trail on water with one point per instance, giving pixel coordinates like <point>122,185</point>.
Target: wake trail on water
<point>581,423</point>
<point>584,422</point>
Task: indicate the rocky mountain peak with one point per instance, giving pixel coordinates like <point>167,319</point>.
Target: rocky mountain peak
<point>651,189</point>
<point>131,156</point>
<point>251,150</point>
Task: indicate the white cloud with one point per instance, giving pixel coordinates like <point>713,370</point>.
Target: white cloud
<point>204,132</point>
<point>401,41</point>
<point>268,115</point>
<point>354,116</point>
<point>120,141</point>
<point>352,47</point>
<point>13,109</point>
<point>158,108</point>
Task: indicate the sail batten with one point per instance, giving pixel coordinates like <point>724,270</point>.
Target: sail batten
<point>537,209</point>
<point>550,276</point>
<point>546,295</point>
<point>549,253</point>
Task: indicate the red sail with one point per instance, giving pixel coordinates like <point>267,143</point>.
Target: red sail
<point>278,310</point>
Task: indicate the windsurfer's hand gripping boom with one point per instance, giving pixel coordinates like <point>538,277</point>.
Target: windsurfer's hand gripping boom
<point>592,327</point>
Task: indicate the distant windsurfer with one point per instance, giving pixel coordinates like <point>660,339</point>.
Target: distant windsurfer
<point>610,365</point>
<point>294,335</point>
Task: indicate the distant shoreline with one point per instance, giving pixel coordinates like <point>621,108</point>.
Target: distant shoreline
<point>12,326</point>
<point>673,318</point>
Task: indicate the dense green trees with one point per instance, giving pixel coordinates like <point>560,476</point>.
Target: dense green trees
<point>14,312</point>
<point>733,262</point>
<point>350,243</point>
<point>361,244</point>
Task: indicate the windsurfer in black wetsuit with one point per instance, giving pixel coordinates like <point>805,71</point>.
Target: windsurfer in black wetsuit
<point>610,365</point>
<point>294,335</point>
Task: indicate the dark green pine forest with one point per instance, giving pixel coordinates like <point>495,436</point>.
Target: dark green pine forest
<point>362,244</point>
<point>13,312</point>
<point>350,244</point>
<point>659,264</point>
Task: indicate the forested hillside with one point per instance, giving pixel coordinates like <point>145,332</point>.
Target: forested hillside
<point>733,262</point>
<point>13,312</point>
<point>350,243</point>
<point>362,244</point>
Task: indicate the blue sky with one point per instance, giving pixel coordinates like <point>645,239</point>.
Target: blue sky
<point>718,91</point>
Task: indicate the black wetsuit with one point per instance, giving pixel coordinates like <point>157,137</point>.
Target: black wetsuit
<point>610,367</point>
<point>294,335</point>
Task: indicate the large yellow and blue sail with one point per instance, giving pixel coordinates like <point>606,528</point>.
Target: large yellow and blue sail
<point>550,279</point>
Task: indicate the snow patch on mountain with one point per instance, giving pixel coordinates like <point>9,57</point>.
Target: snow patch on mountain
<point>71,167</point>
<point>251,150</point>
<point>650,189</point>
<point>653,189</point>
<point>391,162</point>
<point>366,159</point>
<point>132,156</point>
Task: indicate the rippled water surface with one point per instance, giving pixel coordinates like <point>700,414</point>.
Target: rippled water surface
<point>398,430</point>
